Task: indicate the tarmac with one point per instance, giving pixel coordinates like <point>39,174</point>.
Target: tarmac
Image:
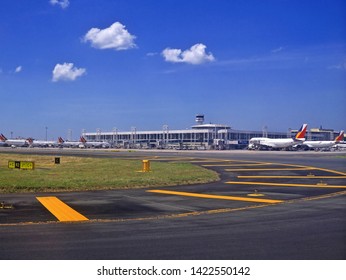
<point>267,205</point>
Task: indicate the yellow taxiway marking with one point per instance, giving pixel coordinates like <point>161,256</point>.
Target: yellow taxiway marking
<point>209,160</point>
<point>318,185</point>
<point>236,164</point>
<point>189,214</point>
<point>161,158</point>
<point>332,171</point>
<point>200,195</point>
<point>270,169</point>
<point>309,176</point>
<point>60,210</point>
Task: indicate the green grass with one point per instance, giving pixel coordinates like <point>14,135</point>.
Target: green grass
<point>82,173</point>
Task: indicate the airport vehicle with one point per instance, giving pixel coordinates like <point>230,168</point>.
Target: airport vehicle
<point>14,142</point>
<point>257,143</point>
<point>41,143</point>
<point>69,144</point>
<point>324,144</point>
<point>99,144</point>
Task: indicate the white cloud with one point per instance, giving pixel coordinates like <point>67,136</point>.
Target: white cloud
<point>277,50</point>
<point>341,66</point>
<point>62,3</point>
<point>18,69</point>
<point>195,55</point>
<point>152,53</point>
<point>67,72</point>
<point>114,37</point>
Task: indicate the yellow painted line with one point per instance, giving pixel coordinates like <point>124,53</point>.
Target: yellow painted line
<point>209,161</point>
<point>315,168</point>
<point>188,214</point>
<point>236,164</point>
<point>60,210</point>
<point>200,195</point>
<point>331,171</point>
<point>169,158</point>
<point>287,185</point>
<point>270,169</point>
<point>292,177</point>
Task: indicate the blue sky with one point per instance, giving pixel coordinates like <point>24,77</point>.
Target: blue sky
<point>86,64</point>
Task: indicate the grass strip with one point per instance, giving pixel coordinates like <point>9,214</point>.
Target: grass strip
<point>87,173</point>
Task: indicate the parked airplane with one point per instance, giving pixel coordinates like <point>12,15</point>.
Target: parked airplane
<point>2,142</point>
<point>324,144</point>
<point>14,142</point>
<point>69,144</point>
<point>41,143</point>
<point>340,146</point>
<point>278,143</point>
<point>99,144</point>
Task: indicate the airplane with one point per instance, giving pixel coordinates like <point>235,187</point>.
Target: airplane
<point>14,142</point>
<point>340,146</point>
<point>324,144</point>
<point>99,144</point>
<point>69,144</point>
<point>2,142</point>
<point>41,143</point>
<point>278,143</point>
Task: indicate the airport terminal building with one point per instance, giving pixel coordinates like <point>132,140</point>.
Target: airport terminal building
<point>201,136</point>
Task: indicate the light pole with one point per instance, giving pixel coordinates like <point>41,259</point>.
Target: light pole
<point>115,133</point>
<point>69,135</point>
<point>165,135</point>
<point>98,134</point>
<point>133,135</point>
<point>46,133</point>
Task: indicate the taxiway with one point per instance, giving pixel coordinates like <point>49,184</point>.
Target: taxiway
<point>267,205</point>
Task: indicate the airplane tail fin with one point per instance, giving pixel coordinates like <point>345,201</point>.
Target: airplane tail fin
<point>60,140</point>
<point>340,137</point>
<point>82,139</point>
<point>3,138</point>
<point>30,140</point>
<point>301,132</point>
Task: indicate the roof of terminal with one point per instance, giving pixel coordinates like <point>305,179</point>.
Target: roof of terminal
<point>211,126</point>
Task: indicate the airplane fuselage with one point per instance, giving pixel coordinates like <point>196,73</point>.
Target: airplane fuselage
<point>272,143</point>
<point>278,143</point>
<point>319,144</point>
<point>39,143</point>
<point>17,142</point>
<point>96,144</point>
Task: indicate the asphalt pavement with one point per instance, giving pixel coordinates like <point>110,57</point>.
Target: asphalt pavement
<point>267,205</point>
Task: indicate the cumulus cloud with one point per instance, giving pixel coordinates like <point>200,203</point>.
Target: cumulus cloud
<point>67,72</point>
<point>18,69</point>
<point>195,55</point>
<point>62,3</point>
<point>113,37</point>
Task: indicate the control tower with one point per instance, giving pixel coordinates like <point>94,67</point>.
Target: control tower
<point>199,119</point>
